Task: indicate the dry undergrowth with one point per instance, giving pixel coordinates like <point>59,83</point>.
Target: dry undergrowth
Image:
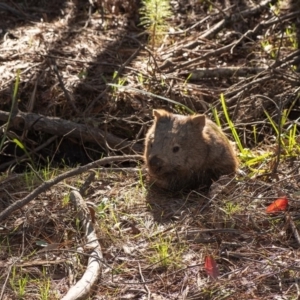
<point>154,244</point>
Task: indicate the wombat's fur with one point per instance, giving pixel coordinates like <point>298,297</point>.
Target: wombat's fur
<point>186,151</point>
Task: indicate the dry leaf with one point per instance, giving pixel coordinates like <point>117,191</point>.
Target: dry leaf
<point>211,267</point>
<point>278,205</point>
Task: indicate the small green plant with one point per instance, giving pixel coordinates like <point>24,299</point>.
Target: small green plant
<point>45,289</point>
<point>268,48</point>
<point>77,224</point>
<point>180,109</point>
<point>153,16</point>
<point>65,200</point>
<point>244,152</point>
<point>83,74</point>
<point>141,181</point>
<point>162,255</point>
<point>292,139</point>
<point>18,283</point>
<point>255,134</point>
<point>185,90</point>
<point>291,33</point>
<point>12,109</point>
<point>118,269</point>
<point>248,157</point>
<point>287,138</point>
<point>141,79</point>
<point>102,208</point>
<point>29,178</point>
<point>22,146</point>
<point>261,159</point>
<point>232,208</point>
<point>216,116</point>
<point>120,82</point>
<point>275,9</point>
<point>166,253</point>
<point>47,173</point>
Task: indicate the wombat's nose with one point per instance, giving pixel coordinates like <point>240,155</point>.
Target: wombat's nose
<point>156,162</point>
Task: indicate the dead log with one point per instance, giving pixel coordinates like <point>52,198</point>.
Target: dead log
<point>60,127</point>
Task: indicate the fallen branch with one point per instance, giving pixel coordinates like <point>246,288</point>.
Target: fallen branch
<point>202,73</point>
<point>81,289</point>
<point>60,127</point>
<point>47,184</point>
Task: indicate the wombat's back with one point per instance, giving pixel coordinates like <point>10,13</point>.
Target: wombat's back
<point>186,151</point>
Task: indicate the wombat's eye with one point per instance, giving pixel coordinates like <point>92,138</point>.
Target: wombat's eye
<point>175,149</point>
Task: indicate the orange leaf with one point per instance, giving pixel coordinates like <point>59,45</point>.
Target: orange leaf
<point>211,267</point>
<point>280,204</point>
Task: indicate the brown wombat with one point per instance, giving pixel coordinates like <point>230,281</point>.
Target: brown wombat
<point>186,151</point>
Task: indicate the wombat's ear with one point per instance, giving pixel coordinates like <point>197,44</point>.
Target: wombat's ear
<point>198,120</point>
<point>158,113</point>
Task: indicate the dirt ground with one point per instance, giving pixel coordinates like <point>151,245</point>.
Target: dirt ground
<point>79,80</point>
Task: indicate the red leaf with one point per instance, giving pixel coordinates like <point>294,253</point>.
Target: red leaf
<point>280,204</point>
<point>211,267</point>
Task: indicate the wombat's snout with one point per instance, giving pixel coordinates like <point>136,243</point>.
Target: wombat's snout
<point>155,162</point>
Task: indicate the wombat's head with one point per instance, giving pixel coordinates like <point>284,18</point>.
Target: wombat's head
<point>172,146</point>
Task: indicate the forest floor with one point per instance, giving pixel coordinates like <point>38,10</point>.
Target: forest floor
<point>90,66</point>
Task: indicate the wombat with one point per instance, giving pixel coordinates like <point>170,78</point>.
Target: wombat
<point>186,152</point>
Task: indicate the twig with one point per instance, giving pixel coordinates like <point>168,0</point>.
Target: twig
<point>143,280</point>
<point>249,82</point>
<point>62,86</point>
<point>215,29</point>
<point>293,227</point>
<point>190,28</point>
<point>5,281</point>
<point>287,60</point>
<point>245,35</point>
